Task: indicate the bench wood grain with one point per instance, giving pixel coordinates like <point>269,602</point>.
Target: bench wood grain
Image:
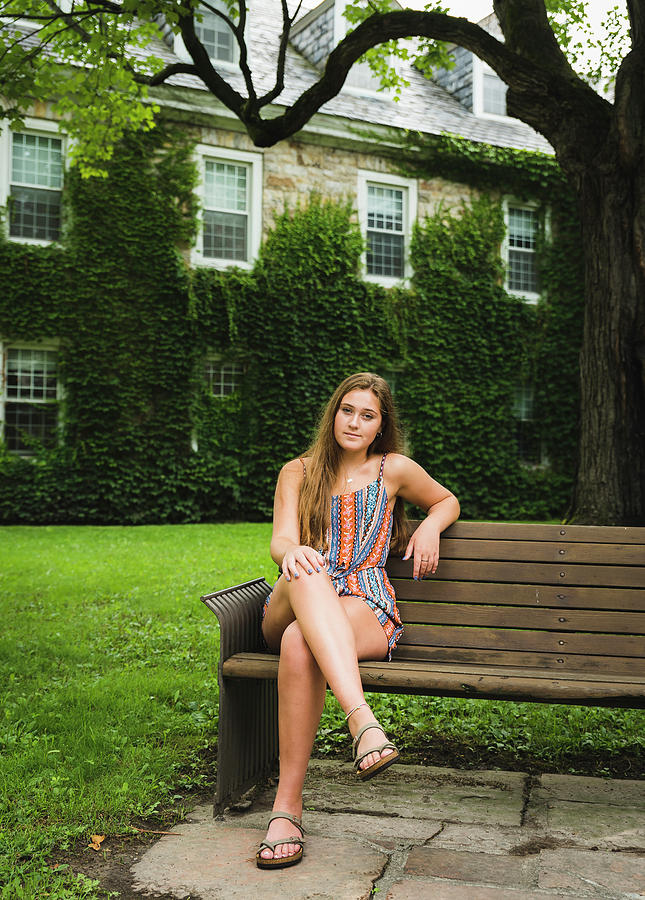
<point>542,613</point>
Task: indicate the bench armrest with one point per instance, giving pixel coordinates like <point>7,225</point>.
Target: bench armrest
<point>239,611</point>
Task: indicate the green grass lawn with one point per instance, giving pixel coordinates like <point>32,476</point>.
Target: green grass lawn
<point>109,694</point>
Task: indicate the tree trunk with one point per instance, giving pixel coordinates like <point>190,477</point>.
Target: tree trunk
<point>610,483</point>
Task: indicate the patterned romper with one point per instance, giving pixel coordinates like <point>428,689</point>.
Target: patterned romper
<point>359,542</point>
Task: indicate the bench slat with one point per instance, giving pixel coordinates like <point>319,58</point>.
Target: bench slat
<point>613,622</point>
<point>512,531</point>
<point>536,595</point>
<point>509,639</point>
<point>480,681</point>
<point>602,666</point>
<point>528,686</point>
<point>528,573</point>
<point>542,551</point>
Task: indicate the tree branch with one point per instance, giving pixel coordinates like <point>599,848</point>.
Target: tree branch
<point>241,43</point>
<point>629,102</point>
<point>69,20</point>
<point>282,56</point>
<point>168,72</point>
<point>526,31</point>
<point>204,69</point>
<point>636,11</point>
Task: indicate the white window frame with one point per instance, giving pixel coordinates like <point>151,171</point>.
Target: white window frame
<point>409,186</point>
<point>254,163</point>
<point>39,127</point>
<point>6,345</point>
<point>480,68</point>
<point>530,296</point>
<point>221,360</point>
<point>179,49</point>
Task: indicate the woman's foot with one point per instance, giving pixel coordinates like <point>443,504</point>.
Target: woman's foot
<point>280,834</point>
<point>371,737</point>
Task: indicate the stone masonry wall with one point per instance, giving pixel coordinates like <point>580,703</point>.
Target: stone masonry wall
<point>293,169</point>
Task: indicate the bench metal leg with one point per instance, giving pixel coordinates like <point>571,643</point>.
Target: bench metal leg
<point>248,736</point>
<point>248,707</point>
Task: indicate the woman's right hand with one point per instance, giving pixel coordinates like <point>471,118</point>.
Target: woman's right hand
<point>301,558</point>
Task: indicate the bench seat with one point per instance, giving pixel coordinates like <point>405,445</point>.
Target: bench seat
<point>542,613</point>
<point>415,676</point>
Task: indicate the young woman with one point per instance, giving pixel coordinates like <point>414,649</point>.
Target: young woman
<point>336,512</point>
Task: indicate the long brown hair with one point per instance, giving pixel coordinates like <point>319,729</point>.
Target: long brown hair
<point>314,505</point>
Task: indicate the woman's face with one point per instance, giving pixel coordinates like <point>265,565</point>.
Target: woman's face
<point>358,420</point>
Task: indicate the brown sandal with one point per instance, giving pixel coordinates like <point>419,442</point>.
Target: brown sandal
<point>383,763</point>
<point>283,861</point>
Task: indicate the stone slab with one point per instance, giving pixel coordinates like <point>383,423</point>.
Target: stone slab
<point>588,873</point>
<point>393,830</point>
<point>598,812</point>
<point>431,889</point>
<point>516,840</point>
<point>419,792</point>
<point>216,861</point>
<point>475,868</point>
<point>620,791</point>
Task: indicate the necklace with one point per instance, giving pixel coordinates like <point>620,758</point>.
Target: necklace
<point>348,478</point>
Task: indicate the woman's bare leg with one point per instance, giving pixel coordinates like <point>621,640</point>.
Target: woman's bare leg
<point>301,690</point>
<point>325,626</point>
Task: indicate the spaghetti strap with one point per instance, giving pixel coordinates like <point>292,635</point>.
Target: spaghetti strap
<point>304,467</point>
<point>380,474</point>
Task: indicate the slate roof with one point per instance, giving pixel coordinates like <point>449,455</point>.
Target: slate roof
<point>424,106</point>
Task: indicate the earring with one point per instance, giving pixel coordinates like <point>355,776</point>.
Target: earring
<point>379,434</point>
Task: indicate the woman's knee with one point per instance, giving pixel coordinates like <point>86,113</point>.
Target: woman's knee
<point>294,649</point>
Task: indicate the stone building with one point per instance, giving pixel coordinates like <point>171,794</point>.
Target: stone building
<point>347,150</point>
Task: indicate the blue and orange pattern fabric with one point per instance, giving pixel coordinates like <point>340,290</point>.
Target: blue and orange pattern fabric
<point>359,541</point>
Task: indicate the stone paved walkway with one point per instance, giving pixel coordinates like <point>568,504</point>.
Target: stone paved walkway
<point>419,832</point>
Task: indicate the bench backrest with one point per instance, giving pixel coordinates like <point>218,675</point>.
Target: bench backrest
<point>558,597</point>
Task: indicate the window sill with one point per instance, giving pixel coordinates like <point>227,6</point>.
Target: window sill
<point>526,296</point>
<point>213,262</point>
<point>388,281</point>
<point>34,242</point>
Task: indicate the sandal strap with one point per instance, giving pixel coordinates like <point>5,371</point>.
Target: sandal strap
<point>293,819</point>
<point>388,745</point>
<point>271,845</point>
<point>361,732</point>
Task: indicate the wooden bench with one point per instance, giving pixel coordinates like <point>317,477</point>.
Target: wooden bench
<point>545,613</point>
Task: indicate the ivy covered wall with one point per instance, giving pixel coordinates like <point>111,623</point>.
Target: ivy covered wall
<point>143,439</point>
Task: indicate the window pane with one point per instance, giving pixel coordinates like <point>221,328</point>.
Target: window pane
<point>522,228</point>
<point>216,37</point>
<point>222,378</point>
<point>34,214</point>
<point>225,235</point>
<point>385,254</point>
<point>494,100</point>
<point>26,423</point>
<point>225,186</point>
<point>384,208</point>
<point>522,272</point>
<point>522,242</point>
<point>31,374</point>
<point>37,160</point>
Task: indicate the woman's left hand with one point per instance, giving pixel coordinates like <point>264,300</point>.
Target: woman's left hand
<point>424,544</point>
